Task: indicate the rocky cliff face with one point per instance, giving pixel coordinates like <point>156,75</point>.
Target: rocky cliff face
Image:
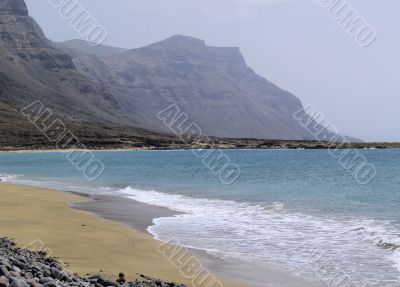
<point>114,87</point>
<point>17,29</point>
<point>32,69</point>
<point>214,86</point>
<point>13,7</point>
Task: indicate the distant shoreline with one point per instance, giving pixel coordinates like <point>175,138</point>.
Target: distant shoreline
<point>225,144</point>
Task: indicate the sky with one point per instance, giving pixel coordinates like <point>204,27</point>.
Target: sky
<point>296,44</point>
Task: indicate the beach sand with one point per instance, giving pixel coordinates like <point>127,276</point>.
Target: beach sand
<point>87,243</point>
<point>122,210</point>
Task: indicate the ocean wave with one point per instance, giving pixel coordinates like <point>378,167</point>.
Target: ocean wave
<point>57,184</point>
<point>8,177</point>
<point>268,233</point>
<point>388,245</point>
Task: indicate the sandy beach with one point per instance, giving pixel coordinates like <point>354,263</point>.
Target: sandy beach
<point>122,210</point>
<point>87,243</point>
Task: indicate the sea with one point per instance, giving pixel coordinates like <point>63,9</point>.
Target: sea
<point>299,211</point>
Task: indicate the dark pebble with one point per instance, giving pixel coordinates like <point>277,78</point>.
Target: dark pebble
<point>55,273</point>
<point>4,282</point>
<point>97,276</point>
<point>4,271</point>
<point>15,274</point>
<point>45,280</point>
<point>6,264</point>
<point>107,283</point>
<point>24,268</point>
<point>19,283</point>
<point>28,275</point>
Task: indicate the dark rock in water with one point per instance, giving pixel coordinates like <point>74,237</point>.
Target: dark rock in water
<point>50,284</point>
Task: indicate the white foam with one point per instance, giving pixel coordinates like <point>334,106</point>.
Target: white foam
<point>395,257</point>
<point>266,233</point>
<point>8,177</point>
<point>56,184</point>
<point>269,233</point>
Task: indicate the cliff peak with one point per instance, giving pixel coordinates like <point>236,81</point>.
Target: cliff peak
<point>13,7</point>
<point>181,41</point>
<point>17,29</point>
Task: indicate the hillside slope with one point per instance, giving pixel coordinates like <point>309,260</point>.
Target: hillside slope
<point>214,86</point>
<point>32,69</point>
<point>112,87</point>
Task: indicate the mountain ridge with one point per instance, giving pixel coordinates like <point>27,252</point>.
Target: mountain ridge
<point>215,79</point>
<point>127,88</point>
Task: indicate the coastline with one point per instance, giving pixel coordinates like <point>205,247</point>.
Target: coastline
<point>122,210</point>
<point>107,235</point>
<point>248,235</point>
<point>217,143</point>
<point>87,243</point>
<point>129,212</point>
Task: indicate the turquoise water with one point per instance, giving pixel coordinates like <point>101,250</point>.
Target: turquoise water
<point>284,201</point>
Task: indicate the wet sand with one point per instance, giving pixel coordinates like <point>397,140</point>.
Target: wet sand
<point>87,243</point>
<point>124,210</point>
<point>108,234</point>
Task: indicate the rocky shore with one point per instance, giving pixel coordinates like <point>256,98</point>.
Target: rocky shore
<point>24,268</point>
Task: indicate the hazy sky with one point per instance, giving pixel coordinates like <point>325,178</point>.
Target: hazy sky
<point>293,43</point>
